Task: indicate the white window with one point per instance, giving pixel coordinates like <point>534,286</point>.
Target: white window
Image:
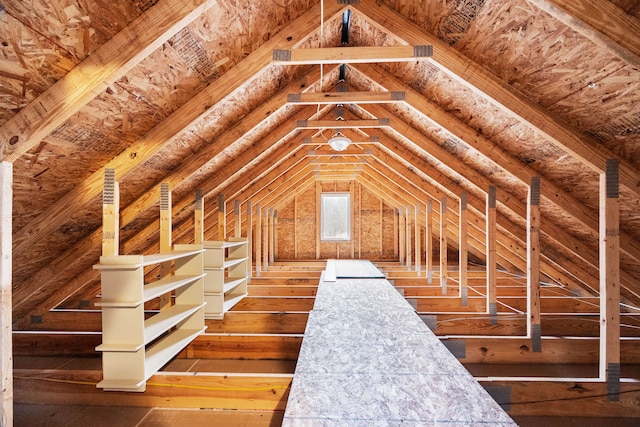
<point>335,216</point>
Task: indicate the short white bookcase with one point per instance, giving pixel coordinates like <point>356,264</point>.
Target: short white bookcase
<point>225,283</point>
<point>133,349</point>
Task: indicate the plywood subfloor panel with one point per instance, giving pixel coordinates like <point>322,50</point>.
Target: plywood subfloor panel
<point>368,360</point>
<point>356,268</point>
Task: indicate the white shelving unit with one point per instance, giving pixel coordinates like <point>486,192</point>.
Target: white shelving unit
<point>133,348</point>
<point>225,283</point>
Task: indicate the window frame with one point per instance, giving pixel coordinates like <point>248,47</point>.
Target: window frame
<point>347,196</point>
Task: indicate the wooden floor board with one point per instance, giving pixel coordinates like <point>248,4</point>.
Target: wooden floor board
<point>64,415</point>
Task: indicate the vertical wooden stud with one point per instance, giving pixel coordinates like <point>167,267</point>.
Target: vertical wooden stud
<point>610,279</point>
<point>165,238</point>
<point>463,249</point>
<point>352,198</point>
<point>491,255</point>
<point>272,240</point>
<point>198,220</point>
<point>265,240</point>
<point>165,218</point>
<point>295,227</point>
<point>110,214</point>
<point>380,219</point>
<point>6,346</point>
<point>408,235</point>
<point>318,217</point>
<point>359,221</point>
<point>443,245</point>
<point>258,240</point>
<point>249,241</point>
<point>401,236</point>
<point>428,242</point>
<point>396,233</point>
<point>533,265</point>
<point>222,218</point>
<point>237,227</point>
<point>416,238</point>
<point>274,253</point>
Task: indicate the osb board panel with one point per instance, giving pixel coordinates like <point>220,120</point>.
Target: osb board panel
<point>372,228</point>
<point>47,249</point>
<point>287,230</point>
<point>388,220</point>
<point>251,23</point>
<point>306,224</point>
<point>45,39</point>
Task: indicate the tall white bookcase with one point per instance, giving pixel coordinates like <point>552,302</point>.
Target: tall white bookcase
<point>225,283</point>
<point>133,348</point>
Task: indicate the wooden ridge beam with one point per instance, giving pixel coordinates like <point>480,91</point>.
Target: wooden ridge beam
<point>314,98</point>
<point>92,76</point>
<point>479,80</point>
<point>349,55</point>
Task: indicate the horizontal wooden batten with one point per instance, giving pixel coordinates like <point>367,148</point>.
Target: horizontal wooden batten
<point>313,98</point>
<point>351,55</point>
<point>170,390</point>
<point>343,124</point>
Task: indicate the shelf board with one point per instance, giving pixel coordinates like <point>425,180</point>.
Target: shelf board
<point>121,348</point>
<point>231,300</point>
<point>118,304</point>
<point>167,284</point>
<point>220,244</point>
<point>120,385</point>
<point>231,282</point>
<point>166,319</point>
<point>230,262</point>
<point>131,262</point>
<point>162,351</point>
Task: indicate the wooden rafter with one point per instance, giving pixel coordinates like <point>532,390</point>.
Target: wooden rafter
<point>481,81</point>
<point>107,64</point>
<point>600,21</point>
<point>500,158</point>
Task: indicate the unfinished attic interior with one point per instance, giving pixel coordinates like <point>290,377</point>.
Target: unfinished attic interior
<point>490,172</point>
